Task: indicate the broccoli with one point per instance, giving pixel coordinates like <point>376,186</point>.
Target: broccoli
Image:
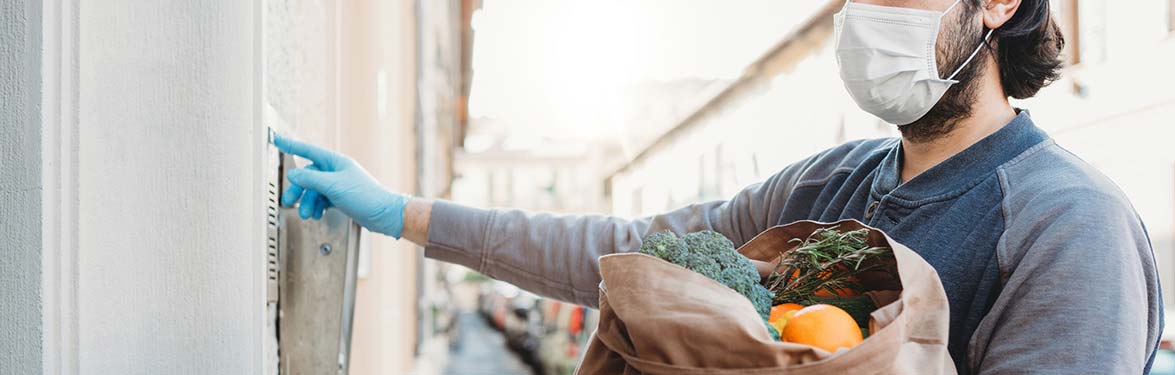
<point>709,243</point>
<point>713,255</point>
<point>666,246</point>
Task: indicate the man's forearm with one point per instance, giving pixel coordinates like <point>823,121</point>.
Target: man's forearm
<point>417,214</point>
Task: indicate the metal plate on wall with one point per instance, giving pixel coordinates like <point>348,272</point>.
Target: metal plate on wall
<point>272,195</point>
<point>319,261</point>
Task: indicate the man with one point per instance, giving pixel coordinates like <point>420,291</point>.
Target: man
<point>1046,265</point>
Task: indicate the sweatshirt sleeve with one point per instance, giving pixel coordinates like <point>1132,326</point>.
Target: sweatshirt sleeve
<point>557,255</point>
<point>1080,288</point>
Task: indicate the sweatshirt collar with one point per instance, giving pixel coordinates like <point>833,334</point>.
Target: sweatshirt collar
<point>960,172</point>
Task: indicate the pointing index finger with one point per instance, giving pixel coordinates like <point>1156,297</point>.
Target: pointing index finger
<point>289,145</point>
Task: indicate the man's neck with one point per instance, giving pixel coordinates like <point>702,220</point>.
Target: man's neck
<point>990,112</point>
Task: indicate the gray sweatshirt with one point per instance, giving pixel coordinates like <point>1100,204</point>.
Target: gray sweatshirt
<point>1046,265</point>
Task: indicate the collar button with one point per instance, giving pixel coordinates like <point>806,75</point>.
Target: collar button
<point>869,211</point>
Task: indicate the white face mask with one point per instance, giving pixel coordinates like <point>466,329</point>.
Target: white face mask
<point>887,59</point>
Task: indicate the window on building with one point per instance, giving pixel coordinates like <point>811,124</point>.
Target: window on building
<point>1067,15</point>
<point>1092,30</point>
<point>1171,15</point>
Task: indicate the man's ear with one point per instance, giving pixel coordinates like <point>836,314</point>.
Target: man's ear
<point>998,12</point>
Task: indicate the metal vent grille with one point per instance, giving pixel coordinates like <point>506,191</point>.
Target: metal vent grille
<point>274,186</point>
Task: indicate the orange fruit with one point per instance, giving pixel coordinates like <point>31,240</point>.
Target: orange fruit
<point>781,313</point>
<point>781,323</point>
<point>777,311</point>
<point>823,326</point>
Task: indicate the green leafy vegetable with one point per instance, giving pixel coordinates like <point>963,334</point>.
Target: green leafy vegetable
<point>713,255</point>
<point>827,260</point>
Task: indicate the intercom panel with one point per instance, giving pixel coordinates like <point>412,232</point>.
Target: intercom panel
<point>311,269</point>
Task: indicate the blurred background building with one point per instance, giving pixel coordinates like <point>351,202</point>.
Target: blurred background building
<point>132,167</point>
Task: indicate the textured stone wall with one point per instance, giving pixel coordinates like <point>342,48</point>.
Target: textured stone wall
<point>20,187</point>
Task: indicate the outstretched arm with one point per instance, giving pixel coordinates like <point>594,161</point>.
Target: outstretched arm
<point>557,255</point>
<point>551,255</point>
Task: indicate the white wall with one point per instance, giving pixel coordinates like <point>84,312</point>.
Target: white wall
<point>152,138</point>
<point>20,187</point>
<point>166,203</point>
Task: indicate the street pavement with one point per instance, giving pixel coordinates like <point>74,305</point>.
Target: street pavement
<point>479,349</point>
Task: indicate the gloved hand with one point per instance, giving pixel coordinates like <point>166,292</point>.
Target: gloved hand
<point>334,180</point>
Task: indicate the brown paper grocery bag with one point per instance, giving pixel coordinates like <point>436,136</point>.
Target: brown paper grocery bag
<point>659,318</point>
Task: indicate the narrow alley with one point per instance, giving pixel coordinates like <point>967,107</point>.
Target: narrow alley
<point>479,349</point>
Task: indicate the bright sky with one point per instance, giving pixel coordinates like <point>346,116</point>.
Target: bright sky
<point>550,67</point>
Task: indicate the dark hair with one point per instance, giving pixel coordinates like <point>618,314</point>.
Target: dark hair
<point>1028,49</point>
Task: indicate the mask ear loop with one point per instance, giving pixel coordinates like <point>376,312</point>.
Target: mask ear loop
<point>969,58</point>
<point>952,6</point>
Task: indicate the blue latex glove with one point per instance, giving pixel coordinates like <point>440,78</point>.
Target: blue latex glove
<point>334,180</point>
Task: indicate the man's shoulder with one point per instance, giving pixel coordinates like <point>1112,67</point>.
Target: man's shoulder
<point>1049,174</point>
<point>1049,188</point>
<point>1069,222</point>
